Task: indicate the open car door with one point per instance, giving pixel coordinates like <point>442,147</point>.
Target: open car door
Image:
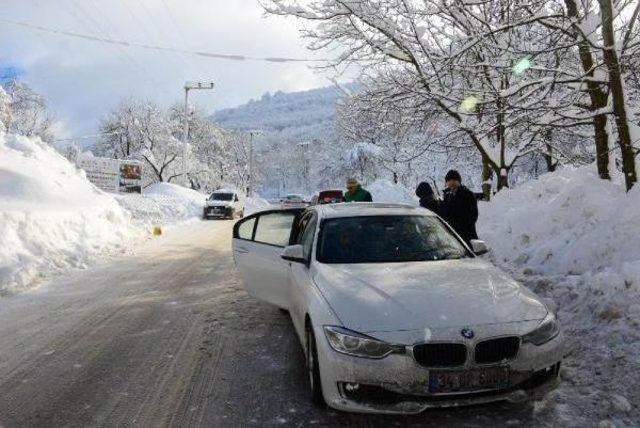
<point>258,241</point>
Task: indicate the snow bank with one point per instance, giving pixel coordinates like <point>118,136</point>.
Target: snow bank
<point>164,204</point>
<point>51,217</point>
<point>569,222</point>
<point>575,239</point>
<point>253,205</point>
<point>386,191</point>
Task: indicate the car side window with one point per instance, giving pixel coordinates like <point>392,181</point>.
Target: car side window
<point>274,228</point>
<point>306,237</point>
<point>245,230</point>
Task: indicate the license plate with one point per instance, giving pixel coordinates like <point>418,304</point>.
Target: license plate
<point>449,381</point>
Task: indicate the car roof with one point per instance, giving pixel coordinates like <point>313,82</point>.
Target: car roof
<point>357,209</point>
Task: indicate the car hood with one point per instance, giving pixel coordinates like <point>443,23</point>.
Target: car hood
<point>211,203</point>
<point>418,295</point>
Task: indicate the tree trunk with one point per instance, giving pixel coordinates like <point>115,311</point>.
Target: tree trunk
<point>552,164</point>
<point>617,94</point>
<point>597,96</point>
<point>487,175</point>
<point>602,145</point>
<point>503,178</point>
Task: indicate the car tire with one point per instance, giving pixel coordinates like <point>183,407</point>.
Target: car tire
<point>313,369</point>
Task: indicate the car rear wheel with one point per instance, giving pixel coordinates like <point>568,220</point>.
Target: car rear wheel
<point>313,369</point>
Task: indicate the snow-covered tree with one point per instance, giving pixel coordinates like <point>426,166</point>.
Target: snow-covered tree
<point>5,110</point>
<point>142,130</point>
<point>503,75</point>
<point>30,114</point>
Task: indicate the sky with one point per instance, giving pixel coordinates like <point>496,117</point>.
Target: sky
<point>83,79</point>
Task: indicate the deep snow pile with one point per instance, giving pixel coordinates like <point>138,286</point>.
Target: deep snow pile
<point>576,239</point>
<point>385,191</point>
<point>255,204</point>
<point>164,204</point>
<point>51,217</point>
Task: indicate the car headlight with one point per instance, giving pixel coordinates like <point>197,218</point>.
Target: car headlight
<point>547,330</point>
<point>358,345</point>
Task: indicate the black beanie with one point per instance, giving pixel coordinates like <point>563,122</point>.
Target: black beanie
<point>453,175</point>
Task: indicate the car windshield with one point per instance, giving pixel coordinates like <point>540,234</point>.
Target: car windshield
<point>221,197</point>
<point>387,239</point>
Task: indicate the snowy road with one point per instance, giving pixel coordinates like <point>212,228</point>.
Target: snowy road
<point>167,337</point>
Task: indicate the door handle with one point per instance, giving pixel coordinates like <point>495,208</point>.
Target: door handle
<point>241,250</point>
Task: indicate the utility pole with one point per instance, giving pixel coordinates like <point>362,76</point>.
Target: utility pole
<point>251,166</point>
<point>307,167</point>
<point>185,133</point>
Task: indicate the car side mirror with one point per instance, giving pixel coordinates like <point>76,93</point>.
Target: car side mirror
<point>479,247</point>
<point>294,253</point>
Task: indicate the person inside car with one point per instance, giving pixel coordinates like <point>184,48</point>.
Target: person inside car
<point>356,193</point>
<point>459,207</point>
<point>343,246</point>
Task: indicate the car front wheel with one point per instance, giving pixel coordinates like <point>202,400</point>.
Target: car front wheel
<point>313,369</point>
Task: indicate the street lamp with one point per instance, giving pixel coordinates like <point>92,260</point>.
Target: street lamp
<point>188,86</point>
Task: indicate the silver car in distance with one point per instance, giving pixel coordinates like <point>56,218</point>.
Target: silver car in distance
<point>397,314</point>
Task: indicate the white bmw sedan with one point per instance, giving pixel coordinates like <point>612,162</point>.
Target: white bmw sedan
<point>395,313</point>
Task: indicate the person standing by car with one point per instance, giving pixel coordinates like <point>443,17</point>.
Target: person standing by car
<point>459,207</point>
<point>428,199</point>
<point>356,193</point>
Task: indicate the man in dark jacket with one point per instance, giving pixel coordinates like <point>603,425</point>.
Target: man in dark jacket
<point>427,198</point>
<point>459,207</point>
<point>356,193</point>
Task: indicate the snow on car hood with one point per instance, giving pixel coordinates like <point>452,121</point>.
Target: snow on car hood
<point>417,295</point>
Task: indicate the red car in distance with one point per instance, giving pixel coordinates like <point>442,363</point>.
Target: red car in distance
<point>330,197</point>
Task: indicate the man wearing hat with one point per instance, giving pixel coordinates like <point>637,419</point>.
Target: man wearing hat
<point>459,207</point>
<point>356,193</point>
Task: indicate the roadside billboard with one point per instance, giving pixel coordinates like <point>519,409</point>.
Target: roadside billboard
<point>113,175</point>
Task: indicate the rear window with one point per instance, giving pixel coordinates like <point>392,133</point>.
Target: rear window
<point>387,239</point>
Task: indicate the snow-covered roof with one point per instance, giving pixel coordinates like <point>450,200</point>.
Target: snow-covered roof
<point>352,209</point>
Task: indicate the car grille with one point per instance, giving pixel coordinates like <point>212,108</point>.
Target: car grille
<point>440,354</point>
<point>496,350</point>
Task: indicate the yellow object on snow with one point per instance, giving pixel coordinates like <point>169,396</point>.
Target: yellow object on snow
<point>157,230</point>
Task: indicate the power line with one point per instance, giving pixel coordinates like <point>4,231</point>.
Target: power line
<point>89,23</point>
<point>125,43</point>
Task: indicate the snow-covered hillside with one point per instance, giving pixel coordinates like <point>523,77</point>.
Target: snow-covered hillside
<point>575,238</point>
<point>295,116</point>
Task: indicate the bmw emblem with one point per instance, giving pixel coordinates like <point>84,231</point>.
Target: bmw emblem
<point>467,333</point>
